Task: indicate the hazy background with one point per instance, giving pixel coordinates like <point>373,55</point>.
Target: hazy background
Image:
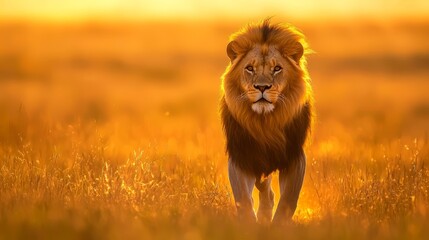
<point>145,62</point>
<point>69,10</point>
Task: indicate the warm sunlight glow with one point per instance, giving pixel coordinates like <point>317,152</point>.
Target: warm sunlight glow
<point>331,146</point>
<point>306,215</point>
<point>214,10</point>
<point>111,123</point>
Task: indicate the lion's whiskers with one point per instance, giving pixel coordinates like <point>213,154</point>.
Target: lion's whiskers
<point>241,98</point>
<point>282,98</point>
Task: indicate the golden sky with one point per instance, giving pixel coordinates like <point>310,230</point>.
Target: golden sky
<point>70,10</point>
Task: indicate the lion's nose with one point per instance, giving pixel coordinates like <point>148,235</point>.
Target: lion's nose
<point>262,88</point>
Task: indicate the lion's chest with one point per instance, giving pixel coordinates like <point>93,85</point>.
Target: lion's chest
<point>278,150</point>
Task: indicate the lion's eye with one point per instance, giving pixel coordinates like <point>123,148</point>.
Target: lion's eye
<point>277,69</point>
<point>249,68</point>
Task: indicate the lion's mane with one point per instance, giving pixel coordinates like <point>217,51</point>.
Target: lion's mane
<point>263,143</point>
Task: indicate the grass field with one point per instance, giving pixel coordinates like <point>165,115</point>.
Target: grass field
<point>112,131</point>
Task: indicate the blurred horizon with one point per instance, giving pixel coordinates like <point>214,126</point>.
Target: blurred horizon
<point>134,10</point>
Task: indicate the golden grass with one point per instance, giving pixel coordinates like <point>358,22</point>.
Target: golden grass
<point>112,131</point>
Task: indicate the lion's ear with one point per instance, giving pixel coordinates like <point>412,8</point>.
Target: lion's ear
<point>230,50</point>
<point>298,51</point>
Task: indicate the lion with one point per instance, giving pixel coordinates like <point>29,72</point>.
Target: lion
<point>266,113</point>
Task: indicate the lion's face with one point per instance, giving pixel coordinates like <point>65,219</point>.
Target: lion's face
<point>265,75</point>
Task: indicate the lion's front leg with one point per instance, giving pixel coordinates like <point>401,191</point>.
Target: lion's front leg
<point>290,186</point>
<point>242,186</point>
<point>266,200</point>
